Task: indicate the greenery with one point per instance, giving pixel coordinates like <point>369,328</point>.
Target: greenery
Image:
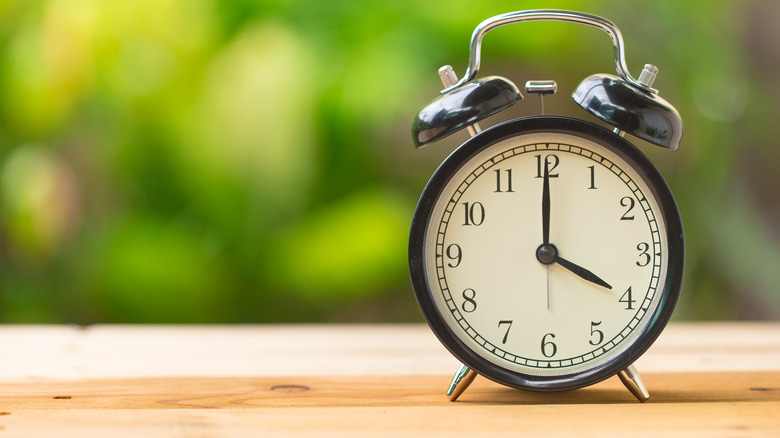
<point>251,161</point>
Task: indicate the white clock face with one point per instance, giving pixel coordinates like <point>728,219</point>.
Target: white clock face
<point>502,299</point>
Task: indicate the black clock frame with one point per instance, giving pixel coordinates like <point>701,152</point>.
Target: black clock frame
<point>675,250</point>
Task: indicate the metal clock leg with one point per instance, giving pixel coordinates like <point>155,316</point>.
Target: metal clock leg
<point>630,377</point>
<point>460,381</point>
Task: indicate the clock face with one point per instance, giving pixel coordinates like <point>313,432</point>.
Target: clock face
<point>543,257</point>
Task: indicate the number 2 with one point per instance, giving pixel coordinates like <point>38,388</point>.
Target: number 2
<point>627,201</point>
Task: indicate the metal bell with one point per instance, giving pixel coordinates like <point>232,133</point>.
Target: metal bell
<point>463,106</point>
<point>630,109</point>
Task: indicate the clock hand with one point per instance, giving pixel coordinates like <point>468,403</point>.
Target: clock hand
<point>582,272</point>
<point>548,286</point>
<point>546,221</point>
<point>546,206</point>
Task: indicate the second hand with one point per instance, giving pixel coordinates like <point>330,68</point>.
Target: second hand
<point>548,287</point>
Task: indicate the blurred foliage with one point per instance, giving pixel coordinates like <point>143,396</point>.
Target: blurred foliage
<point>250,160</point>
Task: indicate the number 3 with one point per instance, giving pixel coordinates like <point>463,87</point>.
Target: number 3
<point>643,248</point>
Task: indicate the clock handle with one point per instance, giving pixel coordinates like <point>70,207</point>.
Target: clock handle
<point>629,104</point>
<point>548,15</point>
<point>460,381</point>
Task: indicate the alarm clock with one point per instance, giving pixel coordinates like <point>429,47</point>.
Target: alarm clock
<point>546,253</point>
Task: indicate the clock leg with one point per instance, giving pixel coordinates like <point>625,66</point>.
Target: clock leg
<point>460,381</point>
<point>633,381</point>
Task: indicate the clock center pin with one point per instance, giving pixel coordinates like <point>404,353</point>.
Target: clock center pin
<point>547,254</point>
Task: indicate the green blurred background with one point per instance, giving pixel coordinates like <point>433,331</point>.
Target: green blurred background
<point>251,161</point>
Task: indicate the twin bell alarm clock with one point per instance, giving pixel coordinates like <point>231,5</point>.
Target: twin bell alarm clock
<point>547,252</point>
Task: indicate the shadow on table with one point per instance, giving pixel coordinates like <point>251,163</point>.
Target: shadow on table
<point>663,388</point>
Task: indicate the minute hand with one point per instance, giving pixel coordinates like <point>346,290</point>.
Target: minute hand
<point>582,272</point>
<point>546,205</point>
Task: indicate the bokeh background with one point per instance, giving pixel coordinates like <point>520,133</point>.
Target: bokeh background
<point>251,160</point>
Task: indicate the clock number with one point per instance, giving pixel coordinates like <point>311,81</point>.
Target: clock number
<point>551,161</point>
<point>470,304</point>
<point>548,347</point>
<point>594,331</point>
<point>592,177</point>
<point>509,326</point>
<point>474,213</point>
<point>508,173</point>
<point>643,248</point>
<point>627,298</point>
<point>454,253</point>
<point>627,201</point>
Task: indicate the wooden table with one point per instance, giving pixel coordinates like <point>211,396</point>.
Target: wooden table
<point>708,380</point>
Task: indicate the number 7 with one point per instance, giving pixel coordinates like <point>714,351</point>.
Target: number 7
<point>509,326</point>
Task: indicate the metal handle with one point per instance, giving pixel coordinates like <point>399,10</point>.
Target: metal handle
<point>548,15</point>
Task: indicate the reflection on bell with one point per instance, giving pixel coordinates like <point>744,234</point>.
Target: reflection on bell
<point>630,109</point>
<point>463,106</point>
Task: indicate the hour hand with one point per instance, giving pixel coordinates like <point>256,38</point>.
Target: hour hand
<point>582,272</point>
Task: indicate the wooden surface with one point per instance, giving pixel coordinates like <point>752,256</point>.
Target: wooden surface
<point>708,380</point>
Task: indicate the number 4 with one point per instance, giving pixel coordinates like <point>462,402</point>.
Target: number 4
<point>626,298</point>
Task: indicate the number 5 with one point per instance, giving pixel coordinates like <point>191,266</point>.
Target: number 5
<point>594,331</point>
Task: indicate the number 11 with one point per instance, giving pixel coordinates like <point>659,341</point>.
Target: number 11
<point>508,181</point>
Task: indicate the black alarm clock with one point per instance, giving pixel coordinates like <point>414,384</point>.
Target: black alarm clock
<point>547,252</point>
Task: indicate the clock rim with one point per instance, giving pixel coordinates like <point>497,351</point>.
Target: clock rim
<point>668,210</point>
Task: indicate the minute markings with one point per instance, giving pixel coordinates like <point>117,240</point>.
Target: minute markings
<point>609,165</point>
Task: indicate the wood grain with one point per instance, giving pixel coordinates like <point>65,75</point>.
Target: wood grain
<point>375,391</point>
<point>286,381</point>
<point>705,404</point>
<point>72,352</point>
